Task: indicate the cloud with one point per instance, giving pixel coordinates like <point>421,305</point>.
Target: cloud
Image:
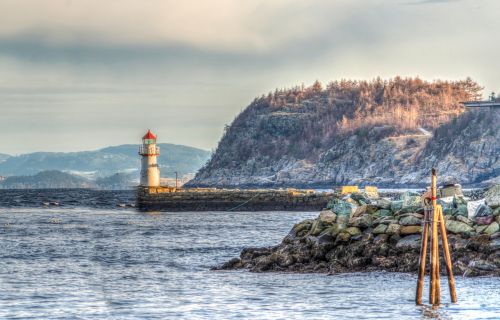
<point>120,66</point>
<point>218,25</point>
<point>432,1</point>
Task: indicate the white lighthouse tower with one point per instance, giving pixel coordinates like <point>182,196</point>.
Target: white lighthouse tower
<point>150,172</point>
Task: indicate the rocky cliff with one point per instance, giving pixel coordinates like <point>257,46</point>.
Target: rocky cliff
<point>380,132</point>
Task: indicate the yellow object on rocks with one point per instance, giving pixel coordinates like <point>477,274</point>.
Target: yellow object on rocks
<point>371,192</point>
<point>349,189</point>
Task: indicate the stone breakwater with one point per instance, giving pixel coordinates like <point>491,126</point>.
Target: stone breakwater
<point>369,235</point>
<point>211,199</point>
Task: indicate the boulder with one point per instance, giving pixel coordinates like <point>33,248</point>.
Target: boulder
<point>325,238</point>
<point>360,198</point>
<point>383,203</point>
<point>483,215</point>
<point>409,242</point>
<point>383,213</point>
<point>300,229</point>
<point>482,265</point>
<point>393,229</point>
<point>342,220</point>
<point>317,227</point>
<point>458,227</point>
<point>353,231</point>
<point>484,221</point>
<point>411,202</point>
<point>492,196</point>
<point>365,209</point>
<point>343,236</point>
<point>410,221</point>
<point>495,244</point>
<point>410,230</point>
<point>459,206</point>
<point>385,220</point>
<point>480,228</point>
<point>333,230</point>
<point>327,217</point>
<point>465,220</point>
<point>492,228</point>
<point>364,221</point>
<point>380,239</point>
<point>396,205</point>
<point>341,208</point>
<point>381,228</point>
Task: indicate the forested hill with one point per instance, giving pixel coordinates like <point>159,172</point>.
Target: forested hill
<point>105,162</point>
<point>378,131</point>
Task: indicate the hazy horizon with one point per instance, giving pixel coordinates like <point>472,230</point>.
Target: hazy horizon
<point>86,75</point>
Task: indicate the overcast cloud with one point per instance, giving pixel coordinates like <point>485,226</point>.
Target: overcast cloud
<point>79,75</point>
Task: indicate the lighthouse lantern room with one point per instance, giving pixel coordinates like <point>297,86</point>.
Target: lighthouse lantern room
<point>150,172</point>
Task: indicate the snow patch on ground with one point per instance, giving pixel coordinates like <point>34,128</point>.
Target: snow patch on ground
<point>425,132</point>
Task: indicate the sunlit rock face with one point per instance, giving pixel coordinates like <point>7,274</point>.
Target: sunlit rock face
<point>382,132</point>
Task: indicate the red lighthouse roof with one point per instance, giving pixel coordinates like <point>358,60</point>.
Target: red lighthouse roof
<point>149,135</point>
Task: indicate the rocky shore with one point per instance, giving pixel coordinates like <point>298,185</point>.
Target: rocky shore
<point>356,233</point>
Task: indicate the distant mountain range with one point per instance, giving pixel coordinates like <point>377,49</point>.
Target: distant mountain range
<point>47,180</point>
<point>53,179</point>
<point>109,167</point>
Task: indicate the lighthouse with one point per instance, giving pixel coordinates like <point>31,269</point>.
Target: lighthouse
<point>150,172</point>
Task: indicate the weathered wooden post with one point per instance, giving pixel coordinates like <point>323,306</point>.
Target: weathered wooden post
<point>434,241</point>
<point>447,257</point>
<point>423,255</point>
<point>434,221</point>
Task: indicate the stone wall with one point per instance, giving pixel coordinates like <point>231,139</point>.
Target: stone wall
<point>210,199</point>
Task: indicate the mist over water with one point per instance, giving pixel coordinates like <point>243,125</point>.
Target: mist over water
<point>88,259</point>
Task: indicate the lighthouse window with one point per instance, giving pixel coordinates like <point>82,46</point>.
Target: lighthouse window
<point>149,141</point>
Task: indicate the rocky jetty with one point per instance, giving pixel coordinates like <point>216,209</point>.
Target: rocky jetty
<point>211,199</point>
<point>356,233</point>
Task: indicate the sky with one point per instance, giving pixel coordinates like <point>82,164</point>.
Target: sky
<point>82,75</point>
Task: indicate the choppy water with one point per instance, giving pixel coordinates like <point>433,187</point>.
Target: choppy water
<point>93,262</point>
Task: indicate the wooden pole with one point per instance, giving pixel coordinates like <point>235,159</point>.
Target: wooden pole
<point>447,257</point>
<point>423,257</point>
<point>433,219</point>
<point>434,261</point>
<point>438,274</point>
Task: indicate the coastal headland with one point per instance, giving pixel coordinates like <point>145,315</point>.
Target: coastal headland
<point>355,233</point>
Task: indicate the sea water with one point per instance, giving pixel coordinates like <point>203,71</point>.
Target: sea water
<point>88,259</point>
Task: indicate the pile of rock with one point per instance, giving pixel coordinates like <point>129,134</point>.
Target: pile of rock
<point>356,233</point>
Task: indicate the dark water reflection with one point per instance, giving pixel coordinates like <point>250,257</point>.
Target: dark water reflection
<point>94,263</point>
<point>67,198</point>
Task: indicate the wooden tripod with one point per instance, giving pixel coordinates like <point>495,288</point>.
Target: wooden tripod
<point>433,219</point>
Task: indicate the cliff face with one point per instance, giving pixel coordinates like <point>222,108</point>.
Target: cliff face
<point>467,148</point>
<point>380,132</point>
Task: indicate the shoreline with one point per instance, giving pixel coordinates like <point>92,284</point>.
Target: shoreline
<point>379,235</point>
